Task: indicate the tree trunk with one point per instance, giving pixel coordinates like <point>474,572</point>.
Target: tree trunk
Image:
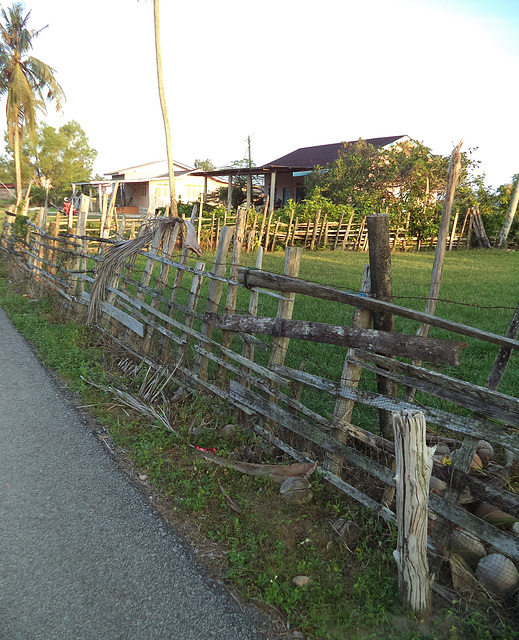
<point>17,165</point>
<point>160,79</point>
<point>505,229</point>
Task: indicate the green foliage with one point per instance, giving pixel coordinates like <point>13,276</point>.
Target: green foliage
<point>28,83</point>
<point>406,181</point>
<point>63,156</point>
<point>204,165</point>
<point>60,156</point>
<point>308,208</point>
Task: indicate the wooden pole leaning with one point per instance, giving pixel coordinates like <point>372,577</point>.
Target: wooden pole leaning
<point>439,257</point>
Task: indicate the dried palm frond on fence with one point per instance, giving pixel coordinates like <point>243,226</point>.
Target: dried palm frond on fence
<point>122,251</point>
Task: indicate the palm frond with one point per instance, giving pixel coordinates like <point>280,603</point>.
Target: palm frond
<point>125,250</point>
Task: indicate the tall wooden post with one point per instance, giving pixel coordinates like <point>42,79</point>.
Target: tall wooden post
<point>382,289</point>
<point>439,257</point>
<point>214,294</point>
<point>272,196</point>
<point>280,345</point>
<point>232,289</point>
<point>350,376</point>
<point>229,194</point>
<point>414,461</point>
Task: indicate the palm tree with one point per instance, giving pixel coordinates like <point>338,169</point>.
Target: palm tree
<point>160,79</point>
<point>28,82</point>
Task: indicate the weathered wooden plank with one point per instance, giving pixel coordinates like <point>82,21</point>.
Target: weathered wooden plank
<point>308,431</point>
<point>459,424</point>
<point>406,346</point>
<point>343,486</point>
<point>278,282</point>
<point>122,317</point>
<point>491,404</point>
<point>500,540</point>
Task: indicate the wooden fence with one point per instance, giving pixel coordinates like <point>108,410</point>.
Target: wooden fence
<point>199,322</point>
<point>271,232</point>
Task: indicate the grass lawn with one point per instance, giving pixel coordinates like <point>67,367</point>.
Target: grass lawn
<point>259,549</point>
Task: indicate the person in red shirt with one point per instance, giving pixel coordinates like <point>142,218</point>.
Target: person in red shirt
<point>66,207</point>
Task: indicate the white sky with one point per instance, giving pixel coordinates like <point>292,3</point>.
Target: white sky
<point>289,73</point>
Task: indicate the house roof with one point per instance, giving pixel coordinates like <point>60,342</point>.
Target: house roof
<point>303,159</point>
<point>146,171</point>
<point>310,157</point>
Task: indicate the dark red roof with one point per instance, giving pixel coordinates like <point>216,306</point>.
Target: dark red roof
<point>323,154</point>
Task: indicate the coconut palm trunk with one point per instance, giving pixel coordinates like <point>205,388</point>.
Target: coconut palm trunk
<point>160,80</point>
<point>17,165</point>
<point>28,83</point>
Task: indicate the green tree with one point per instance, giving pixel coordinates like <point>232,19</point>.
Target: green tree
<point>28,82</point>
<point>406,181</point>
<point>58,158</point>
<point>62,156</point>
<point>204,165</point>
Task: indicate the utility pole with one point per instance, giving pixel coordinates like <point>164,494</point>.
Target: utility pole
<point>249,177</point>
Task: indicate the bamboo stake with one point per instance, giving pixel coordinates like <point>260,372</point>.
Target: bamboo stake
<point>338,232</point>
<point>321,231</point>
<point>314,234</point>
<point>463,228</point>
<point>347,233</point>
<point>267,232</point>
<point>453,232</point>
<point>274,237</point>
<point>287,237</point>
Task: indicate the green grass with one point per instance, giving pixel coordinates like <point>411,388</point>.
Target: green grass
<point>353,591</point>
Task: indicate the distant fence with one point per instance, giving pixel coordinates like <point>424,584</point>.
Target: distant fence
<point>200,323</point>
<point>271,231</point>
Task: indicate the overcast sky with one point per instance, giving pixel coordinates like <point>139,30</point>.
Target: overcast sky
<point>287,73</point>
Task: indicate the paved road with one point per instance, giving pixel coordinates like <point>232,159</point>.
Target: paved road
<point>82,553</point>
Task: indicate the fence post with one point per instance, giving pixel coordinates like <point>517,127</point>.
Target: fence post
<point>338,231</point>
<point>285,307</point>
<point>347,232</point>
<point>314,233</point>
<point>414,461</point>
<point>350,376</point>
<point>248,347</point>
<point>232,289</point>
<point>192,302</point>
<point>214,294</point>
<point>382,289</point>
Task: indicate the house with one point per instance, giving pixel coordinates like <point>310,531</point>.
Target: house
<point>146,187</point>
<point>7,190</point>
<point>284,178</point>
